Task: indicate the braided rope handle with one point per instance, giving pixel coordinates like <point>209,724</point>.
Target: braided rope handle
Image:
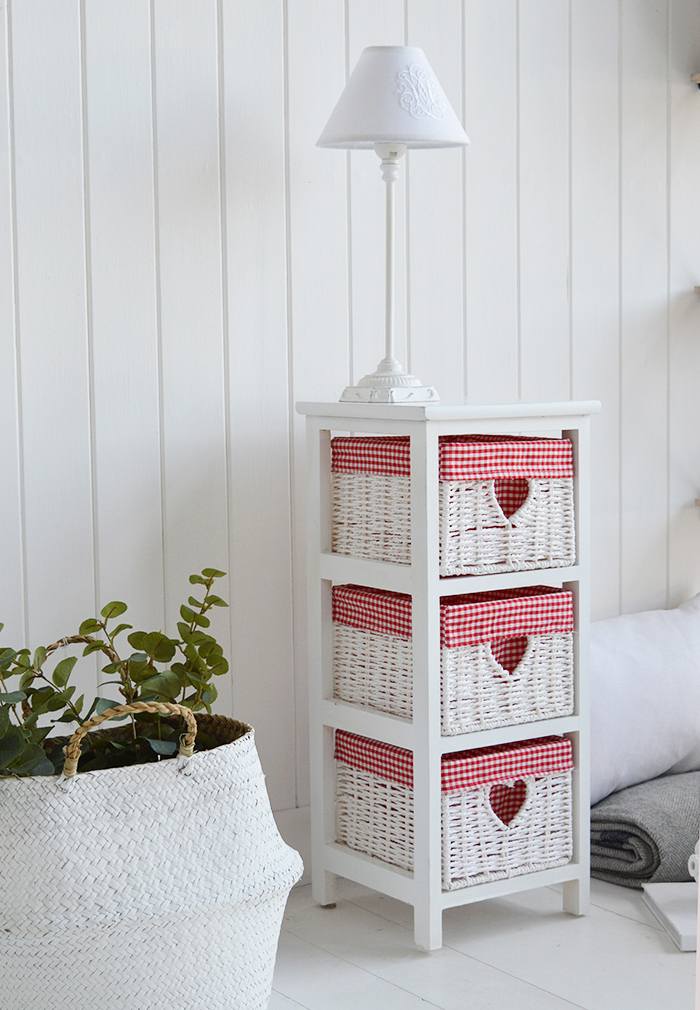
<point>72,750</point>
<point>77,640</point>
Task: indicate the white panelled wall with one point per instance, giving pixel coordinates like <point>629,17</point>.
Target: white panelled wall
<point>179,264</point>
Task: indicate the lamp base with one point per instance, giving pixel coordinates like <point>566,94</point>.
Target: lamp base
<point>395,394</point>
<point>389,384</point>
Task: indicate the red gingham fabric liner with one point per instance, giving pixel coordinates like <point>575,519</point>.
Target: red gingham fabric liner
<point>506,801</point>
<point>511,494</point>
<point>505,613</point>
<point>464,620</point>
<point>373,610</point>
<point>462,457</point>
<point>463,770</point>
<point>509,651</point>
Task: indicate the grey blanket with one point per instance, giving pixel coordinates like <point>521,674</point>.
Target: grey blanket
<point>646,833</point>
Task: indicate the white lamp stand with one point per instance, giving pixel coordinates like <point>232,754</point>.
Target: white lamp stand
<point>392,101</point>
<point>390,382</point>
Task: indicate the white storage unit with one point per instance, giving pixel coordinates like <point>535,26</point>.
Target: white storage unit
<point>419,574</point>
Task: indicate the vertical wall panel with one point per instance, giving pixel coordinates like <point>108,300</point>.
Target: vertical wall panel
<point>684,304</point>
<point>435,226</point>
<point>52,319</point>
<point>318,268</point>
<point>261,591</point>
<point>595,273</point>
<point>176,290</point>
<point>544,200</point>
<point>491,200</point>
<point>12,578</point>
<point>123,307</point>
<point>373,24</point>
<point>195,528</point>
<point>644,292</point>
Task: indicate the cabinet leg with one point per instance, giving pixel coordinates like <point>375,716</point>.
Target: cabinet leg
<point>427,927</point>
<point>323,888</point>
<point>577,896</point>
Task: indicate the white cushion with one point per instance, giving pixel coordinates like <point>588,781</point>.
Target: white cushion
<point>645,697</point>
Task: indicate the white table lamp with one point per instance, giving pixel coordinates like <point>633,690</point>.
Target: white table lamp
<point>392,101</point>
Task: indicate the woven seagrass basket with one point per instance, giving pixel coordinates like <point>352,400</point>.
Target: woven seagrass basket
<point>506,502</point>
<point>506,656</point>
<point>506,810</point>
<point>154,886</point>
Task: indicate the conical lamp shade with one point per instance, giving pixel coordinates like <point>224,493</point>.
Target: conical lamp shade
<point>393,97</point>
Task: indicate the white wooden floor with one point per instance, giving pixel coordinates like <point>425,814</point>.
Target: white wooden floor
<point>519,953</point>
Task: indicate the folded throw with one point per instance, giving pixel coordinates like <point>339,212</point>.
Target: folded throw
<point>646,833</point>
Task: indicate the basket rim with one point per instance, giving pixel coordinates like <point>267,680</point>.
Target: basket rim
<point>240,731</point>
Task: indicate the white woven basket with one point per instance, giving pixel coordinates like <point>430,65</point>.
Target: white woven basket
<point>372,519</point>
<point>375,816</point>
<point>525,677</point>
<point>154,887</point>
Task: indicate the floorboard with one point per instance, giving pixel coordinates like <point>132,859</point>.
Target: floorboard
<point>521,951</point>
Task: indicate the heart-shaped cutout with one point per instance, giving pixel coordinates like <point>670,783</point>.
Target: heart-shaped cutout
<point>506,801</point>
<point>509,651</point>
<point>510,493</point>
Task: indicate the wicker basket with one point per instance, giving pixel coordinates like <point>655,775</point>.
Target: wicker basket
<point>506,810</point>
<point>506,502</point>
<point>506,656</point>
<point>154,886</point>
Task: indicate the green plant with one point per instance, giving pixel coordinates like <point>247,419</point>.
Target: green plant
<point>160,669</point>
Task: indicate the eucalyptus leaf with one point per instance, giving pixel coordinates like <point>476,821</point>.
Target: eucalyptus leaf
<point>165,650</point>
<point>167,747</point>
<point>27,679</point>
<point>167,684</point>
<point>31,757</point>
<point>118,630</point>
<point>200,638</point>
<point>12,743</point>
<point>63,671</point>
<point>216,601</point>
<point>66,717</point>
<point>39,734</point>
<point>54,703</point>
<point>95,646</point>
<point>44,767</point>
<point>90,626</point>
<point>6,658</point>
<point>115,609</point>
<point>12,698</point>
<point>103,704</point>
<point>143,676</point>
<point>137,639</point>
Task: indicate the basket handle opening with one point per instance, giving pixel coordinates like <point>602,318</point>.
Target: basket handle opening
<point>72,750</point>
